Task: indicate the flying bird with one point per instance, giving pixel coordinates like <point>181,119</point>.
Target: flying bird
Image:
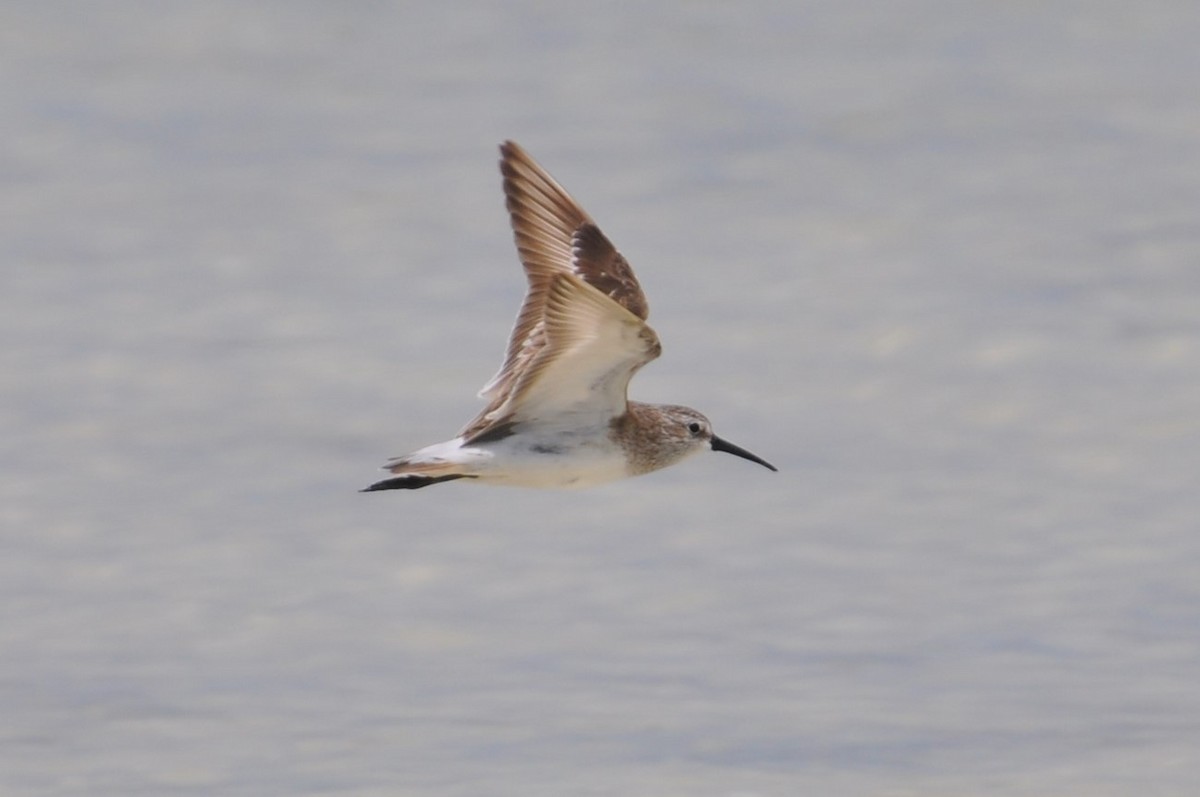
<point>557,412</point>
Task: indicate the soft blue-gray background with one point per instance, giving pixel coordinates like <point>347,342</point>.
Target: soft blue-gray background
<point>939,261</point>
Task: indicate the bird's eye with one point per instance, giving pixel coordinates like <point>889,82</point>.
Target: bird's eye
<point>694,427</point>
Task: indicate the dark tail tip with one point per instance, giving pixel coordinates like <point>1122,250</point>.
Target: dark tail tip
<point>411,482</point>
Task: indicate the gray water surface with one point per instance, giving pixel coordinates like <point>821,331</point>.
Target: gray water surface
<point>938,261</point>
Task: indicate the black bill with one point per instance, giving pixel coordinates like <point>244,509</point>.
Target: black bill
<point>729,448</point>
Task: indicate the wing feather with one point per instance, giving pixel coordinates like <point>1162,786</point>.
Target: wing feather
<point>593,346</point>
<point>554,236</point>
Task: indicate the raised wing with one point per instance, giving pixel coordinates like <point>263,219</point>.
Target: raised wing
<point>592,347</point>
<point>554,236</point>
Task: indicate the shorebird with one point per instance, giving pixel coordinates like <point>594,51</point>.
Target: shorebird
<point>558,414</point>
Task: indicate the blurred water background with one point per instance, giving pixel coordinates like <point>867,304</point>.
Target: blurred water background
<point>938,261</point>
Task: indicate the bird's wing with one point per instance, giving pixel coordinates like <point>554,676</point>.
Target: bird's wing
<point>554,236</point>
<point>593,346</point>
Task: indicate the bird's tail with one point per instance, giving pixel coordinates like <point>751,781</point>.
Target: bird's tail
<point>411,482</point>
<point>412,475</point>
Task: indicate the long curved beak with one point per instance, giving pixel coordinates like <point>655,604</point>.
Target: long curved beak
<point>729,448</point>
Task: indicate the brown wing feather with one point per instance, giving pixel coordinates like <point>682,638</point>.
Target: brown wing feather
<point>602,266</point>
<point>593,347</point>
<point>553,234</point>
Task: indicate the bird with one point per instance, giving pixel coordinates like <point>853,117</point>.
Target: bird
<point>558,413</point>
